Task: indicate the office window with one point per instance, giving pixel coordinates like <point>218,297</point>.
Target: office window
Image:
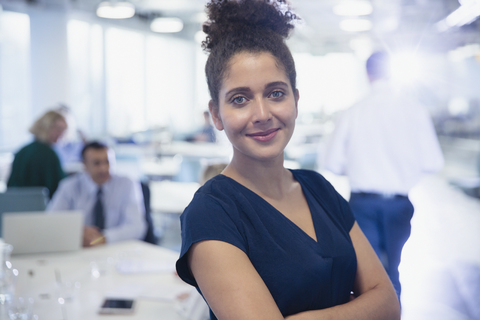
<point>85,55</point>
<point>170,82</point>
<point>125,81</point>
<point>15,112</point>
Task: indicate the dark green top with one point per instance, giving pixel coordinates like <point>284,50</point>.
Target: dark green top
<point>36,165</point>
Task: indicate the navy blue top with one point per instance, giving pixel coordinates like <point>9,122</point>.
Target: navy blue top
<point>301,273</point>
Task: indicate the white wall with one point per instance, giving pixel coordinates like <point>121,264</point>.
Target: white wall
<point>147,83</point>
<point>49,59</point>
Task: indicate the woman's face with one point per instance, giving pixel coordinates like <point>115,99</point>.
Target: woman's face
<point>257,107</point>
<point>56,130</point>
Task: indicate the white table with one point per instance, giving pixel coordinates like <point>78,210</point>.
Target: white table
<point>159,168</point>
<point>171,196</point>
<point>39,277</point>
<point>197,149</point>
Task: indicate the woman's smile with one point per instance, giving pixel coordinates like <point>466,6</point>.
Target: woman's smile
<point>264,136</point>
<point>257,107</point>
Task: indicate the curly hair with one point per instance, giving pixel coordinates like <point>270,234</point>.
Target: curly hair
<point>255,26</point>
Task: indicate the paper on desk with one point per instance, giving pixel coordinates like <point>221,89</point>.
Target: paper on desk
<point>168,292</point>
<point>131,266</point>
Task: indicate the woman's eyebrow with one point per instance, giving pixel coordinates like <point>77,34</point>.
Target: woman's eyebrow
<point>235,90</point>
<point>276,84</point>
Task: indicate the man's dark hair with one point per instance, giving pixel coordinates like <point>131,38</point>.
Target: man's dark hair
<point>378,65</point>
<point>93,145</point>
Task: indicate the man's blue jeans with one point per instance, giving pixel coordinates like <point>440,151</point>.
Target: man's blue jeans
<point>385,221</point>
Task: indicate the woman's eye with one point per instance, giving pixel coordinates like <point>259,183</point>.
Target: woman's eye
<point>277,94</point>
<point>239,100</point>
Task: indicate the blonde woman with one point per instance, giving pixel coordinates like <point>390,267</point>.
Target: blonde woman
<point>36,164</point>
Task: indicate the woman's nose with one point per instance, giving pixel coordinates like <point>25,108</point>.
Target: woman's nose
<point>261,111</point>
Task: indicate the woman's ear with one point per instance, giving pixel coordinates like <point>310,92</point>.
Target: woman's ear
<point>215,115</point>
<point>297,96</point>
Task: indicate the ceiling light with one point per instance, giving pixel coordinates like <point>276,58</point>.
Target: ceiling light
<point>166,25</point>
<point>465,14</point>
<point>355,25</point>
<point>353,8</point>
<point>115,10</point>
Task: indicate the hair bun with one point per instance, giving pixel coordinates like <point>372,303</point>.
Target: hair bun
<point>238,16</point>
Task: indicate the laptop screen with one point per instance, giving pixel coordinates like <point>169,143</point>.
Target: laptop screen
<point>39,232</point>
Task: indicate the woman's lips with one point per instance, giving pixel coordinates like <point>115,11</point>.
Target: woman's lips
<point>264,136</point>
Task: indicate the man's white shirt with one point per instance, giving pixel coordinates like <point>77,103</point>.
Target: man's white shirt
<point>124,209</point>
<point>384,143</point>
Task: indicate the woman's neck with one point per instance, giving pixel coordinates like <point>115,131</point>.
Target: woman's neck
<point>266,178</point>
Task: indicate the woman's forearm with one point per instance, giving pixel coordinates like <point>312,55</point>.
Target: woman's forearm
<point>377,303</point>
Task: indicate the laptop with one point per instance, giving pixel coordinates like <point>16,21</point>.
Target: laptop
<point>41,232</point>
<point>22,199</point>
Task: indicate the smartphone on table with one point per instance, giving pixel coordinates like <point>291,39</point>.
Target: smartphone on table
<point>117,306</point>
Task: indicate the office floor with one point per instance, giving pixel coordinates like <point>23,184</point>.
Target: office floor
<point>440,269</point>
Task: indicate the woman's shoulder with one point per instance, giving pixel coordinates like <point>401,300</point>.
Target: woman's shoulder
<point>214,211</point>
<point>218,189</point>
<point>310,177</point>
<point>36,148</point>
<point>27,147</point>
<point>42,147</point>
<point>221,198</point>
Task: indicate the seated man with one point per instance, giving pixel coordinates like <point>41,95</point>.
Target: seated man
<point>112,205</point>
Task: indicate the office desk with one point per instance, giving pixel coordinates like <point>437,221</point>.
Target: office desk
<point>165,167</point>
<point>40,277</point>
<point>197,149</point>
<point>171,196</point>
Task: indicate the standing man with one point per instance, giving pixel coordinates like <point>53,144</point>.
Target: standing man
<point>112,205</point>
<point>384,143</point>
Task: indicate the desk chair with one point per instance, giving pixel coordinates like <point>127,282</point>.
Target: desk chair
<point>21,199</point>
<point>150,234</point>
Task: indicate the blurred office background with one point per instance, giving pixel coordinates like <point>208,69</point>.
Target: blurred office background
<point>138,83</point>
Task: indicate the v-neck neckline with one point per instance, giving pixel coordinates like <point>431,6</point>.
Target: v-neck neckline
<point>290,222</point>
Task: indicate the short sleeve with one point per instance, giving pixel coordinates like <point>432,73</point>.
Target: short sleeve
<point>207,218</point>
<point>346,213</point>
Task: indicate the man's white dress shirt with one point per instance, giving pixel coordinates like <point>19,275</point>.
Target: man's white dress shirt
<point>124,210</point>
<point>384,143</point>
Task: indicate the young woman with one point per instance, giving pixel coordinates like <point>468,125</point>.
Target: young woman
<point>261,241</point>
